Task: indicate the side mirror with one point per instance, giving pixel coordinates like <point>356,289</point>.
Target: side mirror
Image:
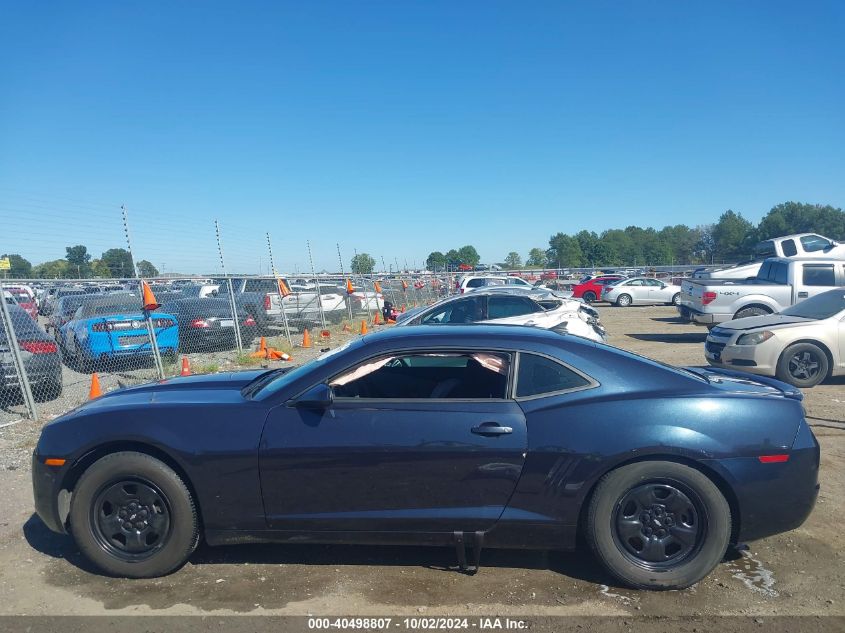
<point>317,397</point>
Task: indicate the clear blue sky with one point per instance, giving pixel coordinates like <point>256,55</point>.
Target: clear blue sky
<point>398,128</point>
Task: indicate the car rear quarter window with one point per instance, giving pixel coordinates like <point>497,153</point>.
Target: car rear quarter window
<point>539,375</point>
<point>789,248</point>
<point>475,283</point>
<point>819,275</point>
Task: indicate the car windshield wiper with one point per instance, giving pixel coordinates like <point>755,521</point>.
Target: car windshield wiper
<point>257,384</point>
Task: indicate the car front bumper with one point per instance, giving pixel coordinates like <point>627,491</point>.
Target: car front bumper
<point>759,359</point>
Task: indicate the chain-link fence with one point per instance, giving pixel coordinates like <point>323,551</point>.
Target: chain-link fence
<point>73,339</point>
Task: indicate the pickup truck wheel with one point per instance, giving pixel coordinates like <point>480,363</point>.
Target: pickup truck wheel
<point>803,365</point>
<point>589,296</point>
<point>750,312</point>
<point>623,301</point>
<point>658,525</point>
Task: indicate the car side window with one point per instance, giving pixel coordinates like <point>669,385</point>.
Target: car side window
<point>635,282</point>
<point>789,248</point>
<point>819,275</point>
<point>814,243</point>
<point>427,375</point>
<point>503,307</point>
<point>541,375</point>
<point>653,282</point>
<point>466,310</point>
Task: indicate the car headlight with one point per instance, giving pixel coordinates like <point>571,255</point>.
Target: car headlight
<point>755,338</point>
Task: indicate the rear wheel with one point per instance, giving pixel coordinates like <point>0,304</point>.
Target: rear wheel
<point>803,365</point>
<point>750,312</point>
<point>132,515</point>
<point>589,296</point>
<point>658,525</point>
<point>676,299</point>
<point>623,301</point>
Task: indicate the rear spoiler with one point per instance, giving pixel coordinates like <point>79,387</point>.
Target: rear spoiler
<point>787,390</point>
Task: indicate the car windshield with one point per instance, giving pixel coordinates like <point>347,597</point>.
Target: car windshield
<point>821,306</point>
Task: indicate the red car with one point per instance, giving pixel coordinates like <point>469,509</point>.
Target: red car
<point>591,290</point>
<point>25,300</point>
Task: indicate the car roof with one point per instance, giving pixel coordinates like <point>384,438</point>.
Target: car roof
<point>472,334</point>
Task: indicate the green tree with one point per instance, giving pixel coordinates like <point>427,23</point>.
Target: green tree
<point>468,255</point>
<point>564,250</point>
<point>146,269</point>
<point>100,269</point>
<point>435,261</point>
<point>79,260</point>
<point>513,260</point>
<point>363,264</point>
<point>453,259</point>
<point>730,235</point>
<point>536,257</point>
<point>796,217</point>
<point>119,262</point>
<point>56,269</point>
<point>20,267</point>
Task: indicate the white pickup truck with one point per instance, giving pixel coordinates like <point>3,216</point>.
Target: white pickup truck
<point>789,246</point>
<point>780,283</point>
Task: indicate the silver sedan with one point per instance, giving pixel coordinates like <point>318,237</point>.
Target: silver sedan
<point>641,291</point>
<point>803,345</point>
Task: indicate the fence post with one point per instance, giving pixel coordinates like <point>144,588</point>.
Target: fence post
<point>17,359</point>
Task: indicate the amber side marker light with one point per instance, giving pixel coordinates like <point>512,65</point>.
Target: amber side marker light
<point>54,461</point>
<point>773,459</point>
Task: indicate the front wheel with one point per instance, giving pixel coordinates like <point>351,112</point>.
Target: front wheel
<point>658,525</point>
<point>132,516</point>
<point>803,365</point>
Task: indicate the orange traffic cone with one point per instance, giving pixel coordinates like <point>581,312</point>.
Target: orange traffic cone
<point>377,318</point>
<point>186,367</point>
<point>262,349</point>
<point>363,326</point>
<point>306,338</point>
<point>391,322</point>
<point>95,391</point>
<point>147,296</point>
<point>274,354</point>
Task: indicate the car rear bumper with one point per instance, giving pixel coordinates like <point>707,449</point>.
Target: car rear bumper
<point>701,318</point>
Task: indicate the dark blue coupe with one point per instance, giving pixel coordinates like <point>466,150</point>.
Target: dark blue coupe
<point>472,436</point>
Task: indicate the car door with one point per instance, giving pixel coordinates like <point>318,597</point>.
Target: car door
<point>411,442</point>
<point>655,290</point>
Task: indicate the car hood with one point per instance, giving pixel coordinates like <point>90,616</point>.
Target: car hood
<point>223,388</point>
<point>764,321</point>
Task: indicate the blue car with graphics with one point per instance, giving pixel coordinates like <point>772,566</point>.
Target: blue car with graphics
<point>112,328</point>
<point>469,436</point>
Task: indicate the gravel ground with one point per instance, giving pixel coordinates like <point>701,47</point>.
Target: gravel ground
<point>798,573</point>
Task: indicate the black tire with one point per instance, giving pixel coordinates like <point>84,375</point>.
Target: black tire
<point>164,510</point>
<point>589,296</point>
<point>624,300</point>
<point>51,391</point>
<point>700,516</point>
<point>751,312</point>
<point>83,364</point>
<point>803,365</point>
<point>676,299</point>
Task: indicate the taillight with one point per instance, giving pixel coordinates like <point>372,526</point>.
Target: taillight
<point>39,347</point>
<point>266,302</point>
<point>200,323</point>
<point>249,320</point>
<point>162,322</point>
<point>708,297</point>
